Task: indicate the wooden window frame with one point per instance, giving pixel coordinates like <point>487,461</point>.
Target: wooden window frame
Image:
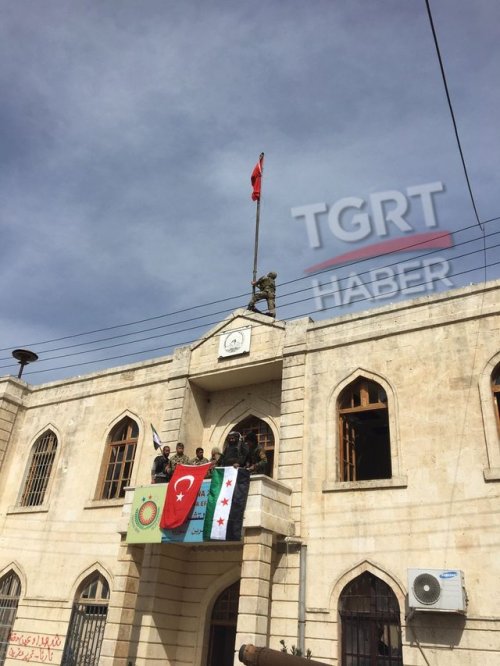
<point>119,454</point>
<point>361,397</point>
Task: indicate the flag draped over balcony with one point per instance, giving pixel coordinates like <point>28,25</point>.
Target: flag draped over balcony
<point>226,504</point>
<point>181,494</point>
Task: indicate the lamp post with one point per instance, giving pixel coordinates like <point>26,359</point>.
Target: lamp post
<point>24,356</point>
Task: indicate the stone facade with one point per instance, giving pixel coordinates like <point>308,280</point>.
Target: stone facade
<point>309,533</point>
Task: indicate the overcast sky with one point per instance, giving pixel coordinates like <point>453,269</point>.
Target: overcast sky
<point>129,132</point>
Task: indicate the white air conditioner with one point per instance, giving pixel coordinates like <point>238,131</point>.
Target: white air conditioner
<point>437,590</point>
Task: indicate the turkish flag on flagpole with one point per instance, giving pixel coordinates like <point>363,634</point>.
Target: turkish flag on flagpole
<point>256,178</point>
<point>182,492</point>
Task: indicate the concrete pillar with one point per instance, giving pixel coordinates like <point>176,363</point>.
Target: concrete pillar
<point>121,612</point>
<point>255,587</point>
<point>12,392</point>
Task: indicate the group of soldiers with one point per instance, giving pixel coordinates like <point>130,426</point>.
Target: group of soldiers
<point>238,452</point>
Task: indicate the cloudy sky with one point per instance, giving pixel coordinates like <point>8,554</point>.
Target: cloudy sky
<point>129,131</point>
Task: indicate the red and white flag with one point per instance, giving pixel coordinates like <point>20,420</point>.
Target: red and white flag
<point>182,492</point>
<point>256,178</point>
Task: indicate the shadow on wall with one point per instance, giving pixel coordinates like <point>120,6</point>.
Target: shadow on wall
<point>428,628</point>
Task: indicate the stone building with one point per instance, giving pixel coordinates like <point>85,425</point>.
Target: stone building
<point>382,429</point>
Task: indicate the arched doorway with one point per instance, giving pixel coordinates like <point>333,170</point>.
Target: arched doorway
<point>264,434</point>
<point>371,626</point>
<point>223,627</point>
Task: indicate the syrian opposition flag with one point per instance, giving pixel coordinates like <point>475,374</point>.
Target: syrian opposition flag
<point>156,438</point>
<point>182,492</point>
<point>256,178</point>
<point>226,504</point>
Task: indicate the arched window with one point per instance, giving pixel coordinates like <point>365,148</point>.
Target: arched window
<point>370,623</point>
<point>364,442</point>
<point>39,470</point>
<point>495,386</point>
<point>264,434</point>
<point>122,443</point>
<point>223,627</point>
<point>10,590</point>
<point>87,623</point>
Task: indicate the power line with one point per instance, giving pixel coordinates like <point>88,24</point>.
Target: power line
<point>219,312</point>
<point>450,106</point>
<point>185,342</point>
<point>224,311</point>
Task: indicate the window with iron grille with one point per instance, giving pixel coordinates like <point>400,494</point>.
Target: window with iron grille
<point>364,442</point>
<point>10,590</point>
<point>265,437</point>
<point>120,452</point>
<point>370,623</point>
<point>39,470</point>
<point>87,623</point>
<point>495,385</point>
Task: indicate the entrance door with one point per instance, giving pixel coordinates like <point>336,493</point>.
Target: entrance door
<point>223,627</point>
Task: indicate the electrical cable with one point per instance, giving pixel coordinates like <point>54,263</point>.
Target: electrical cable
<point>450,106</point>
<point>229,310</point>
<point>186,342</point>
<point>211,323</point>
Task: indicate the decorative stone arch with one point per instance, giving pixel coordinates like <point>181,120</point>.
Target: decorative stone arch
<point>97,567</point>
<point>490,420</point>
<point>16,568</point>
<point>11,589</point>
<point>366,566</point>
<point>49,427</point>
<point>239,412</point>
<point>368,620</point>
<point>206,606</point>
<point>88,618</point>
<point>112,424</point>
<point>331,427</point>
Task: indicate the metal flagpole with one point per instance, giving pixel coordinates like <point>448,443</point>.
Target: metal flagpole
<point>257,224</point>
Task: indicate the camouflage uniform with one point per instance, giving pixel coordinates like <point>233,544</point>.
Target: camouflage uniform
<point>267,286</point>
<point>175,460</point>
<point>258,460</point>
<point>197,461</point>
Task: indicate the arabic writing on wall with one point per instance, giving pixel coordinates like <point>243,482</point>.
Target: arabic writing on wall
<point>33,647</point>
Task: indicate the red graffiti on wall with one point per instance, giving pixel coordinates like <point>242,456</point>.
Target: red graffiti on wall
<point>33,647</point>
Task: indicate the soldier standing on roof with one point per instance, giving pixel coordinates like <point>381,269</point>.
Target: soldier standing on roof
<point>267,286</point>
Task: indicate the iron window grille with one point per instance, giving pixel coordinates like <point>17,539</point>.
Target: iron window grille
<point>42,458</point>
<point>370,624</point>
<point>87,624</point>
<point>10,590</point>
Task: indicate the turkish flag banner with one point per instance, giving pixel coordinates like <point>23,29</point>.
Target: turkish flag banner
<point>182,492</point>
<point>256,178</point>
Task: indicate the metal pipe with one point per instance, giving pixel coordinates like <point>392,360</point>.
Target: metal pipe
<point>302,598</point>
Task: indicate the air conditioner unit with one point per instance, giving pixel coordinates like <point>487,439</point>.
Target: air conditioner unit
<point>437,590</point>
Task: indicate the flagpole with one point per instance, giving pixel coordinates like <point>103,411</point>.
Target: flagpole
<point>257,225</point>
